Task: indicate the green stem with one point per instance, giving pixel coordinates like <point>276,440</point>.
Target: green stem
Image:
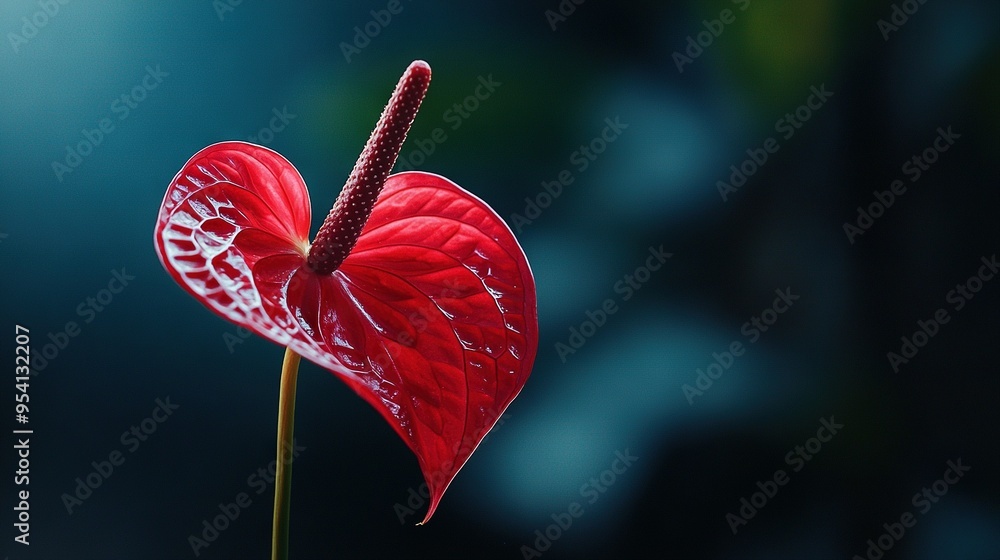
<point>283,474</point>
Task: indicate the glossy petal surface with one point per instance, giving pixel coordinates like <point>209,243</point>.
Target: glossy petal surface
<point>431,318</point>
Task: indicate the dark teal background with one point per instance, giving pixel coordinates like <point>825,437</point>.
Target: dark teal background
<point>622,390</point>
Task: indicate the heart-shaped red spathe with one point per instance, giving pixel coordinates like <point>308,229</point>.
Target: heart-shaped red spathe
<point>431,318</point>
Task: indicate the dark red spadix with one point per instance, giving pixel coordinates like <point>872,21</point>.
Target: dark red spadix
<point>343,225</point>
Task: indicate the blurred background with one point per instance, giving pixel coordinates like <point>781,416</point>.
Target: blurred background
<point>651,110</point>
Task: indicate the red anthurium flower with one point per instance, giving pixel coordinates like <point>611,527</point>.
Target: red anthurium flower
<point>414,293</point>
